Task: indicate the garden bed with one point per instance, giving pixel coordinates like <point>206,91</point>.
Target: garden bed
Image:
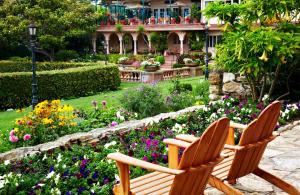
<point>60,167</point>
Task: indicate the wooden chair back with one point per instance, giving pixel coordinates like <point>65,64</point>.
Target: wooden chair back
<point>199,159</point>
<point>255,139</point>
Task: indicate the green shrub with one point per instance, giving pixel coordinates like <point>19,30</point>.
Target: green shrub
<point>66,55</point>
<point>15,88</point>
<point>201,92</point>
<point>178,65</point>
<point>180,87</point>
<point>26,66</point>
<point>160,59</point>
<point>177,101</point>
<point>181,57</point>
<point>146,100</point>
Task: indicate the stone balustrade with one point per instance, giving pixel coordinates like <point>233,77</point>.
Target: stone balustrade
<point>161,75</point>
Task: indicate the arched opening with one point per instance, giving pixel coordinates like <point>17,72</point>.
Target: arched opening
<point>114,43</point>
<point>173,43</point>
<point>100,43</point>
<point>142,44</point>
<point>128,43</point>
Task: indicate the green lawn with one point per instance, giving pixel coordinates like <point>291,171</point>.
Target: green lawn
<point>7,119</point>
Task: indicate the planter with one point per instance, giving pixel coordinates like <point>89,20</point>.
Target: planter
<point>191,65</point>
<point>151,68</point>
<point>127,62</point>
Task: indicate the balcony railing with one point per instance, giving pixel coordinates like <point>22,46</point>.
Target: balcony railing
<point>161,75</point>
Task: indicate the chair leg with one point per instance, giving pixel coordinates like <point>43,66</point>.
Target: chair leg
<point>276,181</point>
<point>222,186</point>
<point>232,181</point>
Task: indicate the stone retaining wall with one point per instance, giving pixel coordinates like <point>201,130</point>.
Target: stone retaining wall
<point>227,83</point>
<point>93,136</point>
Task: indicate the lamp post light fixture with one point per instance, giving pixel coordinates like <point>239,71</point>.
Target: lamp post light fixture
<point>206,50</point>
<point>32,33</point>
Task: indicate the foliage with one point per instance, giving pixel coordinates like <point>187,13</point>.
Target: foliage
<point>122,59</point>
<point>201,92</point>
<point>48,121</point>
<point>55,21</point>
<point>151,62</point>
<point>197,40</point>
<point>195,12</point>
<point>160,59</point>
<point>66,55</point>
<point>85,169</point>
<point>188,61</point>
<point>178,101</point>
<point>26,66</point>
<point>159,41</point>
<point>178,65</point>
<point>258,51</point>
<point>180,87</point>
<point>72,82</point>
<point>146,101</point>
<point>119,28</point>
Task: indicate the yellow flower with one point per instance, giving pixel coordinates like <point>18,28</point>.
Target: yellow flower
<point>61,123</point>
<point>55,102</point>
<point>16,130</point>
<point>264,57</point>
<point>20,110</point>
<point>73,124</point>
<point>47,121</point>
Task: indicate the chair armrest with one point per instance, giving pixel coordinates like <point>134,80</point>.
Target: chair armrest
<point>143,164</point>
<point>186,138</point>
<point>178,143</point>
<point>237,125</point>
<point>233,147</point>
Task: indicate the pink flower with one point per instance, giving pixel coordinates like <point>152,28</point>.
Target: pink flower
<point>27,137</point>
<point>13,138</point>
<point>104,103</point>
<point>12,133</point>
<point>94,103</point>
<point>114,123</point>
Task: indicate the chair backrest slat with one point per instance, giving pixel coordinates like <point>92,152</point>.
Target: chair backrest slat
<point>203,151</point>
<point>247,160</point>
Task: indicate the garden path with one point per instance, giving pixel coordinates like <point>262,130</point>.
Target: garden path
<point>281,158</point>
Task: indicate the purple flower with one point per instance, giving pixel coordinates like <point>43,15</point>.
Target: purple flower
<point>253,116</point>
<point>145,158</point>
<point>227,112</point>
<point>83,163</point>
<point>51,169</point>
<point>226,97</point>
<point>105,180</point>
<point>95,175</point>
<point>69,193</point>
<point>155,142</point>
<point>149,143</point>
<point>81,189</point>
<point>94,103</point>
<point>155,155</point>
<point>260,106</point>
<point>114,123</point>
<point>104,103</point>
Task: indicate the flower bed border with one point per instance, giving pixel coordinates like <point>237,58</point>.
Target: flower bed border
<point>93,136</point>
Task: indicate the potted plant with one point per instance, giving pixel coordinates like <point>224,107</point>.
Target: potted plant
<point>189,62</point>
<point>150,65</point>
<point>173,21</point>
<point>187,19</point>
<point>152,20</point>
<point>125,61</point>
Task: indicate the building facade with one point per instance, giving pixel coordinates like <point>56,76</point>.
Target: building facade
<point>177,18</point>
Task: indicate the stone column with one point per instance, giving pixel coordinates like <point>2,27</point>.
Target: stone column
<point>149,42</point>
<point>94,43</point>
<point>181,36</point>
<point>121,45</point>
<point>107,38</point>
<point>134,38</point>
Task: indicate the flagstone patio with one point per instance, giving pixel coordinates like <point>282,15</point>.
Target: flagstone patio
<point>281,158</point>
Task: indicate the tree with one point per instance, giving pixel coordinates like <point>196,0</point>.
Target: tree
<point>259,40</point>
<point>55,20</point>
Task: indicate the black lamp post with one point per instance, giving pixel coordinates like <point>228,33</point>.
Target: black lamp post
<point>105,51</point>
<point>32,33</point>
<point>206,51</point>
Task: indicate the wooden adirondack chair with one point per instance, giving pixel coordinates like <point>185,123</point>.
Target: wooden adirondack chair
<point>244,158</point>
<point>192,174</point>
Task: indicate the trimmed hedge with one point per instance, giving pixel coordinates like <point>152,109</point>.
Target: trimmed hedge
<point>15,88</point>
<point>26,66</point>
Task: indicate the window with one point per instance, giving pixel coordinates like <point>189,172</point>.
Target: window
<point>162,13</point>
<point>176,11</point>
<point>168,12</point>
<point>155,12</point>
<point>213,40</point>
<point>186,12</point>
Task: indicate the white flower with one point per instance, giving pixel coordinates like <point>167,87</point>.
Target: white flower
<point>117,177</point>
<point>64,166</point>
<point>107,145</point>
<point>177,128</point>
<point>50,175</point>
<point>122,118</point>
<point>17,184</point>
<point>45,157</point>
<point>59,158</point>
<point>7,162</point>
<point>266,97</point>
<point>136,115</point>
<point>57,179</point>
<point>55,191</point>
<point>205,108</point>
<point>118,114</point>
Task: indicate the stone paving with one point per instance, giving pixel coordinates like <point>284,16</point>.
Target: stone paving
<point>281,158</point>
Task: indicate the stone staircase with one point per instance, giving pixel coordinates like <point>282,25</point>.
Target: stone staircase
<point>169,61</point>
